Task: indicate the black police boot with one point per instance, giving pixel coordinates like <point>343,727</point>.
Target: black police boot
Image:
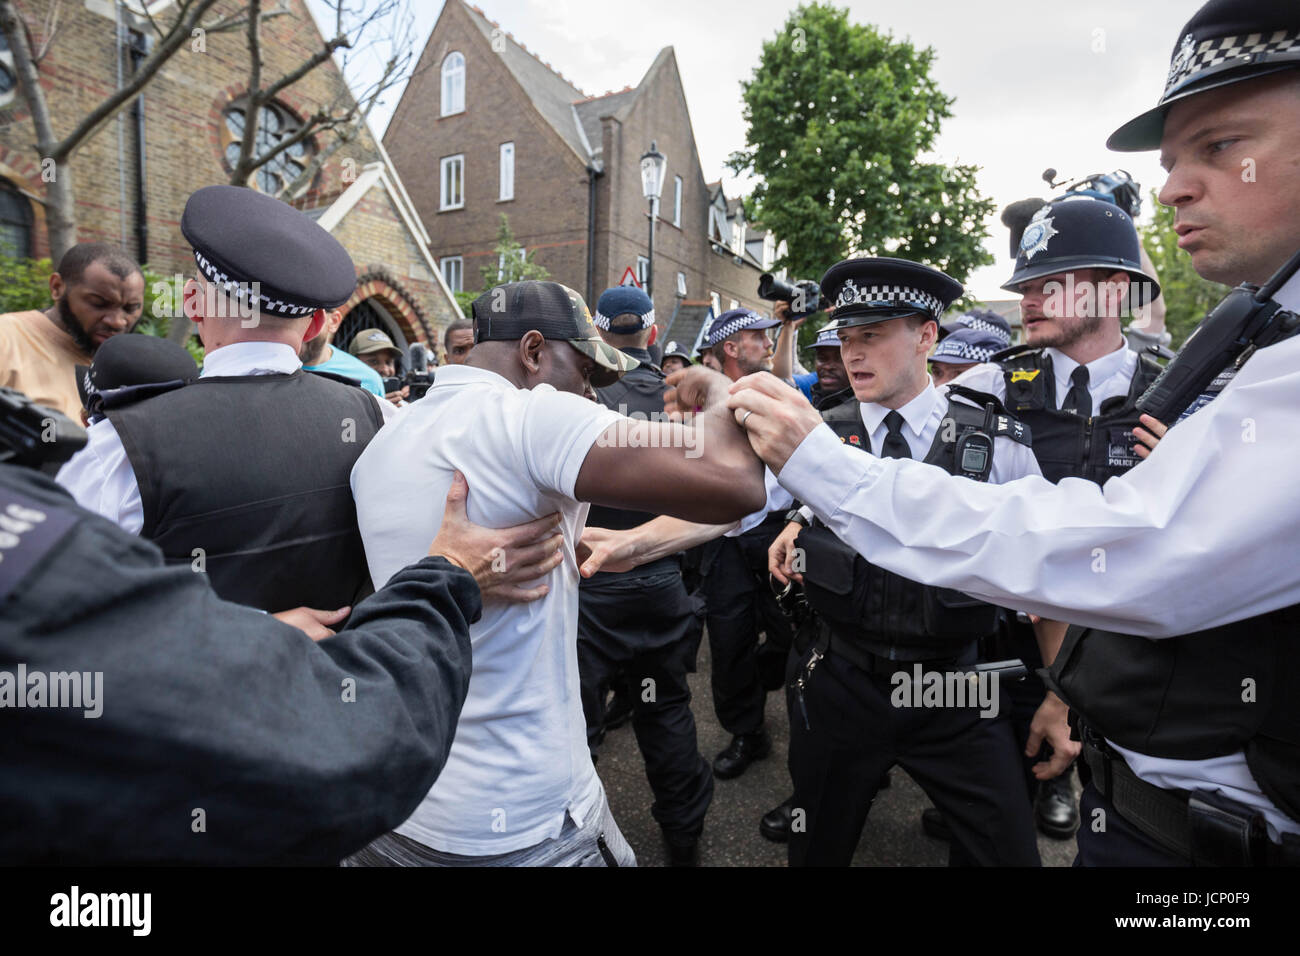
<point>1055,809</point>
<point>933,823</point>
<point>743,750</point>
<point>775,824</point>
<point>683,850</point>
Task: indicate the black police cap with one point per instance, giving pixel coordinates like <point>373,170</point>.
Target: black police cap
<point>241,237</point>
<point>866,291</point>
<point>1226,41</point>
<point>1071,234</point>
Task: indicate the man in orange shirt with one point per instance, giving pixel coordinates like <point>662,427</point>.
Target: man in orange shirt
<point>98,292</point>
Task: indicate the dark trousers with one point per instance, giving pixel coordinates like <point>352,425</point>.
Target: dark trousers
<point>739,604</point>
<point>1107,839</point>
<point>643,633</point>
<point>968,765</point>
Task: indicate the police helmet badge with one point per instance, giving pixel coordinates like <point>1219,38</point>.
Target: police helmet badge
<point>1180,61</point>
<point>1037,234</point>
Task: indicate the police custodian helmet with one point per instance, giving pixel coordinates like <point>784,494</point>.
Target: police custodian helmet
<point>1081,232</point>
<point>1226,41</point>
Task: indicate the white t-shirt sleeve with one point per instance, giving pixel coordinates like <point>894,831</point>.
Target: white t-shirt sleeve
<point>558,430</point>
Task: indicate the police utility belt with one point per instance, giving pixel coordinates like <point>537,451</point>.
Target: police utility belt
<point>874,618</point>
<point>1202,828</point>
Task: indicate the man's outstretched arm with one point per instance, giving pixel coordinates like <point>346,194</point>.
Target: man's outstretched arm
<point>702,472</point>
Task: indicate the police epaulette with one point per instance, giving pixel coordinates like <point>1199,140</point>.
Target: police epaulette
<point>1007,426</point>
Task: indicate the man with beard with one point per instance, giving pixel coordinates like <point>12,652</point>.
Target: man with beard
<point>739,602</point>
<point>1075,383</point>
<point>98,292</point>
<point>320,355</point>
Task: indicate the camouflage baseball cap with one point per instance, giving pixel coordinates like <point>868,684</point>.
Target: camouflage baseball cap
<point>506,313</point>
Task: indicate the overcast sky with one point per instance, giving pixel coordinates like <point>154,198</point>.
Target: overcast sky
<point>1037,83</point>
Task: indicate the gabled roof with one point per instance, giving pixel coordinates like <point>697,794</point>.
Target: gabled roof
<point>591,110</point>
<point>552,95</point>
<point>381,173</point>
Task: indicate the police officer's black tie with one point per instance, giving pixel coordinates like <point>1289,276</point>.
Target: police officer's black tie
<point>894,445</point>
<point>1077,399</point>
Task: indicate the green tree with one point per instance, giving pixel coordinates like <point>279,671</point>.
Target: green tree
<point>1188,297</point>
<point>510,264</point>
<point>841,119</point>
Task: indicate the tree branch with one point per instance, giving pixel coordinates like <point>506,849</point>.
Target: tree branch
<point>90,123</point>
<point>253,108</point>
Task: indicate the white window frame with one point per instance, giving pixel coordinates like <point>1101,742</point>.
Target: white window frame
<point>452,99</point>
<point>677,201</point>
<point>642,267</point>
<point>681,284</point>
<point>506,172</point>
<point>455,277</point>
<point>501,260</point>
<point>443,166</point>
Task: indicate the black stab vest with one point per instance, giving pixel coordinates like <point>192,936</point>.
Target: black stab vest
<point>1190,697</point>
<point>1067,445</point>
<point>254,471</point>
<point>1196,696</point>
<point>877,610</point>
<point>639,394</point>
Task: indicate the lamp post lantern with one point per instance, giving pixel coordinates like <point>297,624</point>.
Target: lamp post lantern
<point>652,185</point>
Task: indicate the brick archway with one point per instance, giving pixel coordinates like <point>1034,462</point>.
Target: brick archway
<point>25,176</point>
<point>378,283</point>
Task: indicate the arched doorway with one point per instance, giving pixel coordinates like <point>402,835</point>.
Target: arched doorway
<point>371,313</point>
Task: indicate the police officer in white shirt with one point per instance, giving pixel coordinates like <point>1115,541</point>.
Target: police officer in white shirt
<point>1183,568</point>
<point>243,473</point>
<point>847,728</point>
<point>519,787</point>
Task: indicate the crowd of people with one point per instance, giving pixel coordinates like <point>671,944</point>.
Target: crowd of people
<point>341,617</point>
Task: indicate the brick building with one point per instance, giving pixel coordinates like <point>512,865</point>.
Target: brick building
<point>485,127</point>
<point>133,176</point>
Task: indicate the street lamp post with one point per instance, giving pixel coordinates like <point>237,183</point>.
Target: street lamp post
<point>652,184</point>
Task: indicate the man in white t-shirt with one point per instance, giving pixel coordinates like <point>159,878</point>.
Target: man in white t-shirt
<point>519,787</point>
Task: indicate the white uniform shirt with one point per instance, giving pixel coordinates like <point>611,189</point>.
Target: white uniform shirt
<point>1201,533</point>
<point>100,476</point>
<point>1108,376</point>
<point>519,760</point>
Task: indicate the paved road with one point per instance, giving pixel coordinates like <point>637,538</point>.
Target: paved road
<point>892,837</point>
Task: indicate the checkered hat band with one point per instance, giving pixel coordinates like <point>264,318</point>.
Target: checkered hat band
<point>1224,52</point>
<point>827,337</point>
<point>603,321</point>
<point>733,326</point>
<point>243,291</point>
<point>893,296</point>
<point>964,351</point>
